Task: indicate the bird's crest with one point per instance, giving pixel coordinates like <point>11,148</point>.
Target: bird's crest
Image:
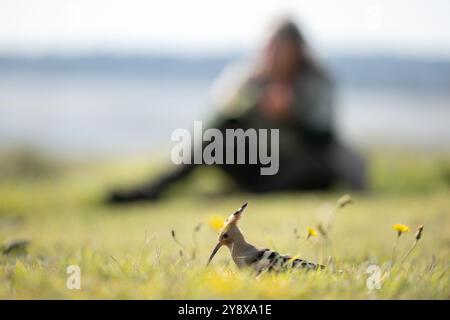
<point>233,218</point>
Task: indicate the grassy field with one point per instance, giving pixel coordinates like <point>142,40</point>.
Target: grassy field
<point>128,252</point>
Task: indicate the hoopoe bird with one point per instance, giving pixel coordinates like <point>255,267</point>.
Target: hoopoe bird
<point>245,254</point>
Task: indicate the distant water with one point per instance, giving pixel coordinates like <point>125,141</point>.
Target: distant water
<point>96,114</point>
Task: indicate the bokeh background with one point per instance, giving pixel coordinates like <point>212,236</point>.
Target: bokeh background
<point>90,91</point>
<point>90,78</point>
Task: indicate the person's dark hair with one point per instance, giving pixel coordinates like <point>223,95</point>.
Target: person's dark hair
<point>288,30</point>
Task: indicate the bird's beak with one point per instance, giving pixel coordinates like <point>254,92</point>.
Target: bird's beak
<point>214,253</point>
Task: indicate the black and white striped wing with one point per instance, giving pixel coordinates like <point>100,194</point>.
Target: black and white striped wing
<point>269,260</point>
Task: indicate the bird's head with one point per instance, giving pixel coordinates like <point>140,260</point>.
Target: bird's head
<point>229,232</point>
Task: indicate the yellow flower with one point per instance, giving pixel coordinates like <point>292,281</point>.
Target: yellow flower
<point>215,222</point>
<point>222,284</point>
<point>311,232</point>
<point>400,228</point>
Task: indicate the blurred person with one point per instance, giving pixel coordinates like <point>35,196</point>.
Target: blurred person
<point>285,89</point>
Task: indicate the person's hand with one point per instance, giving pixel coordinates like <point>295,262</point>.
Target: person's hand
<point>276,102</point>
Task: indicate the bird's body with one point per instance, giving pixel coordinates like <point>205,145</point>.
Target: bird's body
<point>245,254</point>
<point>273,261</point>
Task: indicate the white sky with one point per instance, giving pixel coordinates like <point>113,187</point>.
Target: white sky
<point>414,27</point>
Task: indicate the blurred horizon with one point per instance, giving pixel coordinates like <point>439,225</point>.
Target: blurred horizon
<point>110,104</point>
<point>113,77</point>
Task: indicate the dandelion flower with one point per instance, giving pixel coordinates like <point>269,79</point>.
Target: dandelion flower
<point>215,222</point>
<point>311,233</point>
<point>400,228</point>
